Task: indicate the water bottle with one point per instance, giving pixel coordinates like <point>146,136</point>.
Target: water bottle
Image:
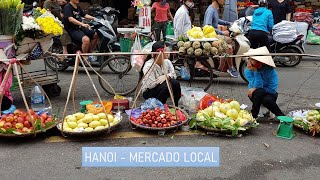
<point>37,99</point>
<point>192,105</point>
<point>181,102</point>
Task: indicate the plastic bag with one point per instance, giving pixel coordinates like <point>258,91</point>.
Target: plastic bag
<point>313,38</point>
<point>185,73</point>
<point>152,103</point>
<point>316,29</point>
<point>137,60</point>
<point>96,108</point>
<point>303,17</point>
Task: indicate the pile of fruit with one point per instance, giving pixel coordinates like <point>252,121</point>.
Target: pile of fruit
<point>309,120</point>
<point>198,33</point>
<point>197,48</point>
<point>158,118</point>
<point>80,122</point>
<point>224,116</point>
<point>19,122</point>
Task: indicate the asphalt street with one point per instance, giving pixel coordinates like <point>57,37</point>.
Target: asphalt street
<point>256,155</point>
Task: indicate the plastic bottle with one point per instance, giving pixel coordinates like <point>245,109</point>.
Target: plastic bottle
<point>37,99</point>
<point>192,105</point>
<point>181,102</point>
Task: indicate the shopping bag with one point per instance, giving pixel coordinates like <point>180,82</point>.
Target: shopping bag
<point>137,60</point>
<point>185,73</point>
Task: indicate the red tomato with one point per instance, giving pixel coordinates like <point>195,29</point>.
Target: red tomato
<point>165,125</point>
<point>156,122</point>
<point>159,125</point>
<point>44,115</point>
<point>163,121</point>
<point>153,125</point>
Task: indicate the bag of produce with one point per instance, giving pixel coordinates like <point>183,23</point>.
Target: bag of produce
<point>152,103</point>
<point>137,60</point>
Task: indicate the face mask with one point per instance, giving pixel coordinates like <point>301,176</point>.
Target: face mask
<point>257,65</point>
<point>163,2</point>
<point>189,4</point>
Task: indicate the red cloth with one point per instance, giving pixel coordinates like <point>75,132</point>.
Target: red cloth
<point>161,12</point>
<point>7,86</point>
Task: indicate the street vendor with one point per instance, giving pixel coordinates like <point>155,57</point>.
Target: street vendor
<point>211,18</point>
<point>154,84</point>
<point>182,21</point>
<point>263,82</point>
<point>7,96</point>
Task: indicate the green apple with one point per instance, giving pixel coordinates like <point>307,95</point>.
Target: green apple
<point>217,103</point>
<point>220,115</point>
<point>110,118</point>
<point>310,118</point>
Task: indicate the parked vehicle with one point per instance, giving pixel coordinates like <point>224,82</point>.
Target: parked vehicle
<point>107,43</point>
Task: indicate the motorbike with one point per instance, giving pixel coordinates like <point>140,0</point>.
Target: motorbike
<point>241,45</point>
<point>277,47</point>
<point>107,43</point>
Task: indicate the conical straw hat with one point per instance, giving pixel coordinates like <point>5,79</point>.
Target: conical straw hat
<point>264,59</point>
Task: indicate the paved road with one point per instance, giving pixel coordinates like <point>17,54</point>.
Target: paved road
<point>51,156</point>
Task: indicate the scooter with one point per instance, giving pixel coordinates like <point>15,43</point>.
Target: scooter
<point>107,43</point>
<point>276,47</point>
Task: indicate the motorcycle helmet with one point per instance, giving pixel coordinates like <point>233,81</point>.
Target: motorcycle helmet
<point>263,3</point>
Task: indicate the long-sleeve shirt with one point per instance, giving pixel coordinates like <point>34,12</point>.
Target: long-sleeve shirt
<point>262,20</point>
<point>150,80</point>
<point>7,86</point>
<point>211,17</point>
<point>265,77</point>
<point>181,21</point>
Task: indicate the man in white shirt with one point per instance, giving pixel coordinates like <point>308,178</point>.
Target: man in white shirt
<point>182,21</point>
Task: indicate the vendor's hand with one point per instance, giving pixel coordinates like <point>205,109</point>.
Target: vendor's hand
<point>250,66</point>
<point>226,33</point>
<point>250,92</point>
<point>85,26</point>
<point>161,79</point>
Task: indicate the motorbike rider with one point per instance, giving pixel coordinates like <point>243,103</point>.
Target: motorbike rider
<point>262,23</point>
<point>182,21</point>
<point>78,30</point>
<point>211,17</point>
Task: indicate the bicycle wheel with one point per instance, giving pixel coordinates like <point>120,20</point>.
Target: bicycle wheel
<point>119,65</point>
<point>199,78</point>
<point>124,82</point>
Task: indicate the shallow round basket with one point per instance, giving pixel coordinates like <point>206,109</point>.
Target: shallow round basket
<point>91,133</point>
<point>164,128</point>
<point>26,135</point>
<point>290,114</point>
<point>222,131</point>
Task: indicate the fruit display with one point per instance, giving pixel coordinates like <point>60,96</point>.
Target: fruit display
<point>197,48</point>
<point>80,122</point>
<point>159,119</point>
<point>224,116</point>
<point>19,122</point>
<point>309,120</point>
<point>198,33</point>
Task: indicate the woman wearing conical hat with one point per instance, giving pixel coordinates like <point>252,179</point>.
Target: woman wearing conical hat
<point>263,81</point>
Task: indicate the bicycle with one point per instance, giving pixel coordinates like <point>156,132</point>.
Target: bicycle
<point>126,82</point>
